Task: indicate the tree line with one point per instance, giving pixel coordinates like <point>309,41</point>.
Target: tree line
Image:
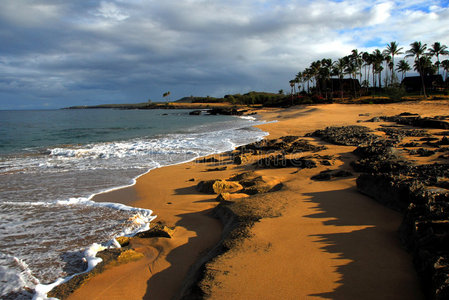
<point>371,66</point>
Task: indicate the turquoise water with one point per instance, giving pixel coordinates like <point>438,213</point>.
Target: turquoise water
<point>52,163</point>
<point>24,131</point>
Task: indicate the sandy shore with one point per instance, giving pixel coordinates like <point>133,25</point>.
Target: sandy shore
<point>315,239</point>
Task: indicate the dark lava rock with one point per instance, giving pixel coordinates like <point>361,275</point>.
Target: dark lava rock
<point>422,152</point>
<point>241,158</point>
<point>207,160</point>
<point>216,169</point>
<point>347,135</point>
<point>444,133</point>
<point>283,162</point>
<point>420,192</point>
<point>429,139</point>
<point>391,190</point>
<point>407,114</point>
<point>157,230</point>
<point>195,113</point>
<point>375,120</point>
<point>225,111</point>
<point>411,144</point>
<point>402,132</point>
<point>417,121</point>
<point>444,141</point>
<point>329,174</point>
<point>304,146</point>
<point>285,144</point>
<point>289,138</point>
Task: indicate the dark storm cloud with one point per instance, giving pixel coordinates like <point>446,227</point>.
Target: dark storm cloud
<point>58,53</point>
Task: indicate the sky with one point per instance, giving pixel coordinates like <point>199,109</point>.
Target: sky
<point>56,53</point>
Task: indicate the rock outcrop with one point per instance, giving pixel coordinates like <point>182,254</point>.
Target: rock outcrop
<point>418,191</point>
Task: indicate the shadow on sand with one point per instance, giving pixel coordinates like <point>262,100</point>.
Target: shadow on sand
<point>379,268</point>
<point>182,257</point>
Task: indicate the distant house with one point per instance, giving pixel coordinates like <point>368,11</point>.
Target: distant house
<point>345,84</point>
<point>414,84</point>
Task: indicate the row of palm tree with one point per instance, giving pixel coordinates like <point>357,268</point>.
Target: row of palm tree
<point>373,64</point>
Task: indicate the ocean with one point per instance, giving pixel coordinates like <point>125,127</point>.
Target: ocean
<point>52,163</point>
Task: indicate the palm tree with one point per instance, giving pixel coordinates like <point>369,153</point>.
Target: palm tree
<point>339,70</point>
<point>378,59</point>
<point>425,64</point>
<point>166,96</point>
<point>417,50</point>
<point>367,58</point>
<point>393,49</point>
<point>325,73</point>
<point>307,77</point>
<point>292,87</point>
<point>403,67</point>
<point>445,64</point>
<point>387,60</point>
<point>298,79</point>
<point>315,73</point>
<point>356,59</point>
<point>437,50</point>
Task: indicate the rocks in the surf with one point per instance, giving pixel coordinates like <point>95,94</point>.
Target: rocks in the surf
<point>218,186</point>
<point>225,111</point>
<point>157,230</point>
<point>123,240</point>
<point>129,255</point>
<point>195,113</point>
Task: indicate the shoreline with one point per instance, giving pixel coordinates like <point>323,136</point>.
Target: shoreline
<point>147,194</point>
<point>127,195</point>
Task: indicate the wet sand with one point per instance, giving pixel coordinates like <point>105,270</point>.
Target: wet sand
<point>320,239</point>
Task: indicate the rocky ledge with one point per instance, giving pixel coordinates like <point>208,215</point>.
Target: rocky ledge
<point>419,191</point>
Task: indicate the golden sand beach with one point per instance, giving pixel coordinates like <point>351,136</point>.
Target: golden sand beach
<point>311,240</point>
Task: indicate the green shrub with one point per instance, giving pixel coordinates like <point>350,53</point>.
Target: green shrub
<point>395,92</point>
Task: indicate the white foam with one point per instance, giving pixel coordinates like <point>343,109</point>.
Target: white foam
<point>248,118</point>
<point>141,154</point>
<point>41,290</point>
<point>17,276</point>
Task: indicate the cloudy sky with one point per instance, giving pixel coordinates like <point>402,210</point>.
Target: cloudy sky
<point>56,53</point>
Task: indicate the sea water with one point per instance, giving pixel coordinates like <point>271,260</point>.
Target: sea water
<point>52,162</point>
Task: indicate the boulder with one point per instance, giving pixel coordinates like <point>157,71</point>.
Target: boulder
<point>242,158</point>
<point>228,197</point>
<point>195,113</point>
<point>158,230</point>
<point>283,162</point>
<point>218,186</point>
<point>346,135</point>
